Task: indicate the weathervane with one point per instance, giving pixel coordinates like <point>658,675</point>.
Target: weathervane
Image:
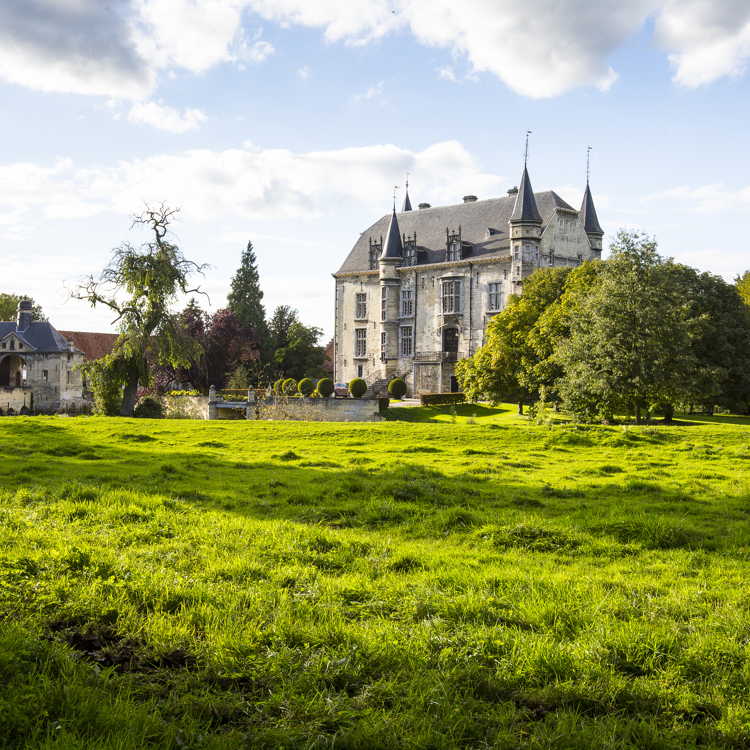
<point>395,188</point>
<point>526,153</point>
<point>588,154</point>
<point>407,181</point>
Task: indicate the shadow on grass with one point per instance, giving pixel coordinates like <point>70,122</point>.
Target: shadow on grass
<point>442,413</point>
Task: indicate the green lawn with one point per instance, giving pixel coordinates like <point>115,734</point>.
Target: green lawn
<point>408,584</point>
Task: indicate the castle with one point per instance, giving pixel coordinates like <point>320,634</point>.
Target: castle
<point>417,290</point>
<point>38,367</point>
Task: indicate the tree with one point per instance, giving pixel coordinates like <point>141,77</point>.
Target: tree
<point>139,284</point>
<point>301,357</point>
<point>743,286</point>
<point>630,341</point>
<point>721,340</point>
<point>246,301</point>
<point>504,368</point>
<point>9,307</point>
<point>284,317</point>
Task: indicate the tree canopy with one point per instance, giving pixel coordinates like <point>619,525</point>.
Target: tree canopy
<point>139,285</point>
<point>636,331</point>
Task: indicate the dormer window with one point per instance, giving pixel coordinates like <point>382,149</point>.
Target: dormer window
<point>410,251</point>
<point>453,243</point>
<point>12,343</point>
<point>376,248</point>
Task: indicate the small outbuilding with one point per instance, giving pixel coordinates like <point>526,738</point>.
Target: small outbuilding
<point>38,367</point>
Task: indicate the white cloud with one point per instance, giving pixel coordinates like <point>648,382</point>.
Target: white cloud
<point>706,199</point>
<point>710,39</point>
<point>372,92</point>
<point>249,184</point>
<point>304,72</point>
<point>540,48</point>
<point>166,118</point>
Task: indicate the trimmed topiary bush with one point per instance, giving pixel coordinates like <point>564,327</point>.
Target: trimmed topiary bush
<point>325,387</point>
<point>357,387</point>
<point>306,386</point>
<point>315,394</point>
<point>289,387</point>
<point>149,407</point>
<point>277,386</point>
<point>397,388</point>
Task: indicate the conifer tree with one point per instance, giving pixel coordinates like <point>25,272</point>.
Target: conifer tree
<point>246,300</point>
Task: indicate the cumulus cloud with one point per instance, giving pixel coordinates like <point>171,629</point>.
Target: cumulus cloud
<point>244,183</point>
<point>166,118</point>
<point>540,48</point>
<point>710,39</point>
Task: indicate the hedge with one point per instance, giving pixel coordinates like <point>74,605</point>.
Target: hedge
<point>442,399</point>
<point>357,387</point>
<point>383,403</point>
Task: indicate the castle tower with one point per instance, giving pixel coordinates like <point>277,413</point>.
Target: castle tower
<point>390,287</point>
<point>525,230</point>
<point>591,222</point>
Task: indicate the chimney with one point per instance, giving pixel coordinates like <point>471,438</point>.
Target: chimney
<point>424,205</point>
<point>24,314</point>
<point>470,199</point>
<point>71,347</point>
<point>513,191</point>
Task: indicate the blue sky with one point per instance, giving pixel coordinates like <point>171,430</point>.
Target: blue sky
<point>288,122</point>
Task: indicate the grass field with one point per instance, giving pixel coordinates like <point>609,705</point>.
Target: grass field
<point>449,584</point>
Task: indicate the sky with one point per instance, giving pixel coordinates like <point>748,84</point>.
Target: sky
<point>289,122</point>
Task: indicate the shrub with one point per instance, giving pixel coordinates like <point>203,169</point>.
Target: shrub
<point>289,386</point>
<point>105,381</point>
<point>357,387</point>
<point>442,399</point>
<point>149,407</point>
<point>397,388</point>
<point>306,386</point>
<point>325,387</point>
<point>383,403</point>
<point>315,394</point>
<point>278,386</point>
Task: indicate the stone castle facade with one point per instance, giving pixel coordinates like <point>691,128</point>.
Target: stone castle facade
<point>417,290</point>
<point>38,367</point>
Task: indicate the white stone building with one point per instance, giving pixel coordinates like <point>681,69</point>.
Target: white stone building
<point>38,367</point>
<point>418,288</point>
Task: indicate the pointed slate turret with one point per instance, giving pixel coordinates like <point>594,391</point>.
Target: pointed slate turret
<point>407,202</point>
<point>588,213</point>
<point>393,247</point>
<point>591,223</point>
<point>525,209</point>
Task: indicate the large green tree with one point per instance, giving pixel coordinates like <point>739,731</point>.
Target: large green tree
<point>140,284</point>
<point>301,357</point>
<point>631,340</point>
<point>9,307</point>
<point>245,300</point>
<point>507,368</point>
<point>721,340</point>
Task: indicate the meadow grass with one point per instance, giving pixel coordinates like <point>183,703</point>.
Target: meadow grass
<point>475,581</point>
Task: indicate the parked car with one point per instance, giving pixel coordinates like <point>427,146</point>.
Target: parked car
<point>340,389</point>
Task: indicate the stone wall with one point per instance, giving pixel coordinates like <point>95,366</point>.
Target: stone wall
<point>12,400</point>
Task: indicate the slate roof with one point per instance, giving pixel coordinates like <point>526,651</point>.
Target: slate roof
<point>483,223</point>
<point>93,345</point>
<point>588,214</point>
<point>393,247</point>
<point>407,202</point>
<point>41,335</point>
<point>525,208</point>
